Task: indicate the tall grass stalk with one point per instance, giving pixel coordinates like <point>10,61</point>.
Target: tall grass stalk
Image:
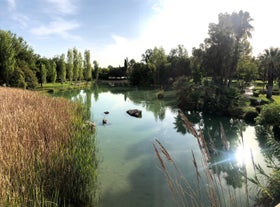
<point>47,154</point>
<point>209,189</point>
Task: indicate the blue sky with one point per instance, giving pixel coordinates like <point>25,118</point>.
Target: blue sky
<point>115,29</point>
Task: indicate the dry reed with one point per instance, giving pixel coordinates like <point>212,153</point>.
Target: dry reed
<point>36,134</point>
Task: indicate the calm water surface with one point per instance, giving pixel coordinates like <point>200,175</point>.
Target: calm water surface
<point>129,171</point>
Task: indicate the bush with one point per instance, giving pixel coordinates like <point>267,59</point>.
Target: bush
<point>257,101</point>
<point>250,115</point>
<point>270,115</point>
<point>256,93</point>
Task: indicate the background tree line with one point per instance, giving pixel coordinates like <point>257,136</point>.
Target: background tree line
<point>21,67</point>
<point>226,54</point>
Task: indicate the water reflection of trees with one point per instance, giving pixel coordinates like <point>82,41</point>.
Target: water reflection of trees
<point>148,100</point>
<point>222,136</point>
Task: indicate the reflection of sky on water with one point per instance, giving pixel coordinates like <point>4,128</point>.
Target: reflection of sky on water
<point>129,171</point>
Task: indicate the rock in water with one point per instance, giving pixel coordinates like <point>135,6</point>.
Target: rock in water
<point>135,112</point>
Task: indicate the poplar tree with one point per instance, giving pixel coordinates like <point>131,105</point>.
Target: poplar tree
<point>80,66</point>
<point>62,68</point>
<point>87,65</point>
<point>70,65</point>
<point>75,64</point>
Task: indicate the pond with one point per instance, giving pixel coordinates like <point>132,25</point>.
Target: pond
<point>130,172</point>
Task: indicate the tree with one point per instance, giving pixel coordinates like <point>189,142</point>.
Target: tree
<point>196,62</point>
<point>7,56</point>
<point>247,69</point>
<point>80,66</point>
<point>43,74</point>
<point>270,60</point>
<point>53,72</point>
<point>75,64</point>
<point>70,65</point>
<point>141,74</point>
<point>95,69</point>
<point>219,50</point>
<point>62,68</point>
<point>159,59</point>
<point>180,62</point>
<point>87,66</point>
<point>241,28</point>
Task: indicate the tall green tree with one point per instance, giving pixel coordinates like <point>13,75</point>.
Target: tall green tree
<point>87,66</point>
<point>62,68</point>
<point>80,67</point>
<point>75,64</point>
<point>43,74</point>
<point>70,65</point>
<point>196,62</point>
<point>7,56</point>
<point>180,62</point>
<point>158,58</point>
<point>270,60</point>
<point>95,70</point>
<point>219,50</point>
<point>247,69</point>
<point>241,27</point>
<point>53,73</point>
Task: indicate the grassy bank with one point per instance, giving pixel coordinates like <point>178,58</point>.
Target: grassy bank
<point>47,154</point>
<point>54,87</point>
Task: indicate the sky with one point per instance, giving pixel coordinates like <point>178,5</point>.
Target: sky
<point>115,29</point>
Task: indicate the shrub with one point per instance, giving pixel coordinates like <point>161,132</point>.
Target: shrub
<point>257,101</point>
<point>256,93</point>
<point>270,115</point>
<point>250,115</point>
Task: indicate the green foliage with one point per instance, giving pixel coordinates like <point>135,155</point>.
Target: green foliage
<point>247,69</point>
<point>87,66</point>
<point>30,77</point>
<point>69,65</point>
<point>269,115</point>
<point>74,174</point>
<point>80,66</point>
<point>141,74</point>
<point>62,68</point>
<point>250,114</point>
<point>95,70</point>
<point>189,94</point>
<point>53,73</point>
<point>7,56</point>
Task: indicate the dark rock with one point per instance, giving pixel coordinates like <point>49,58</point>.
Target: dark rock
<point>135,112</point>
<point>104,121</point>
<point>106,112</point>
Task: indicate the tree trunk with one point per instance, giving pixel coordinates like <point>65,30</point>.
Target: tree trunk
<point>269,91</point>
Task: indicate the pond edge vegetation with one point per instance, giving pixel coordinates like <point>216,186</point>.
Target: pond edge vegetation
<point>47,153</point>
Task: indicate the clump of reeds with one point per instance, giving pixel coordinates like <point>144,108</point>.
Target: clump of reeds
<point>208,189</point>
<point>47,155</point>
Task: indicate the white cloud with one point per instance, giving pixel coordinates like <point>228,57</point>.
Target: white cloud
<point>57,27</point>
<point>186,22</point>
<point>21,19</point>
<point>63,6</point>
<point>17,15</point>
<point>11,4</point>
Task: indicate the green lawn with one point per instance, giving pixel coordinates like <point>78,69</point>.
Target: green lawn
<point>47,87</point>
